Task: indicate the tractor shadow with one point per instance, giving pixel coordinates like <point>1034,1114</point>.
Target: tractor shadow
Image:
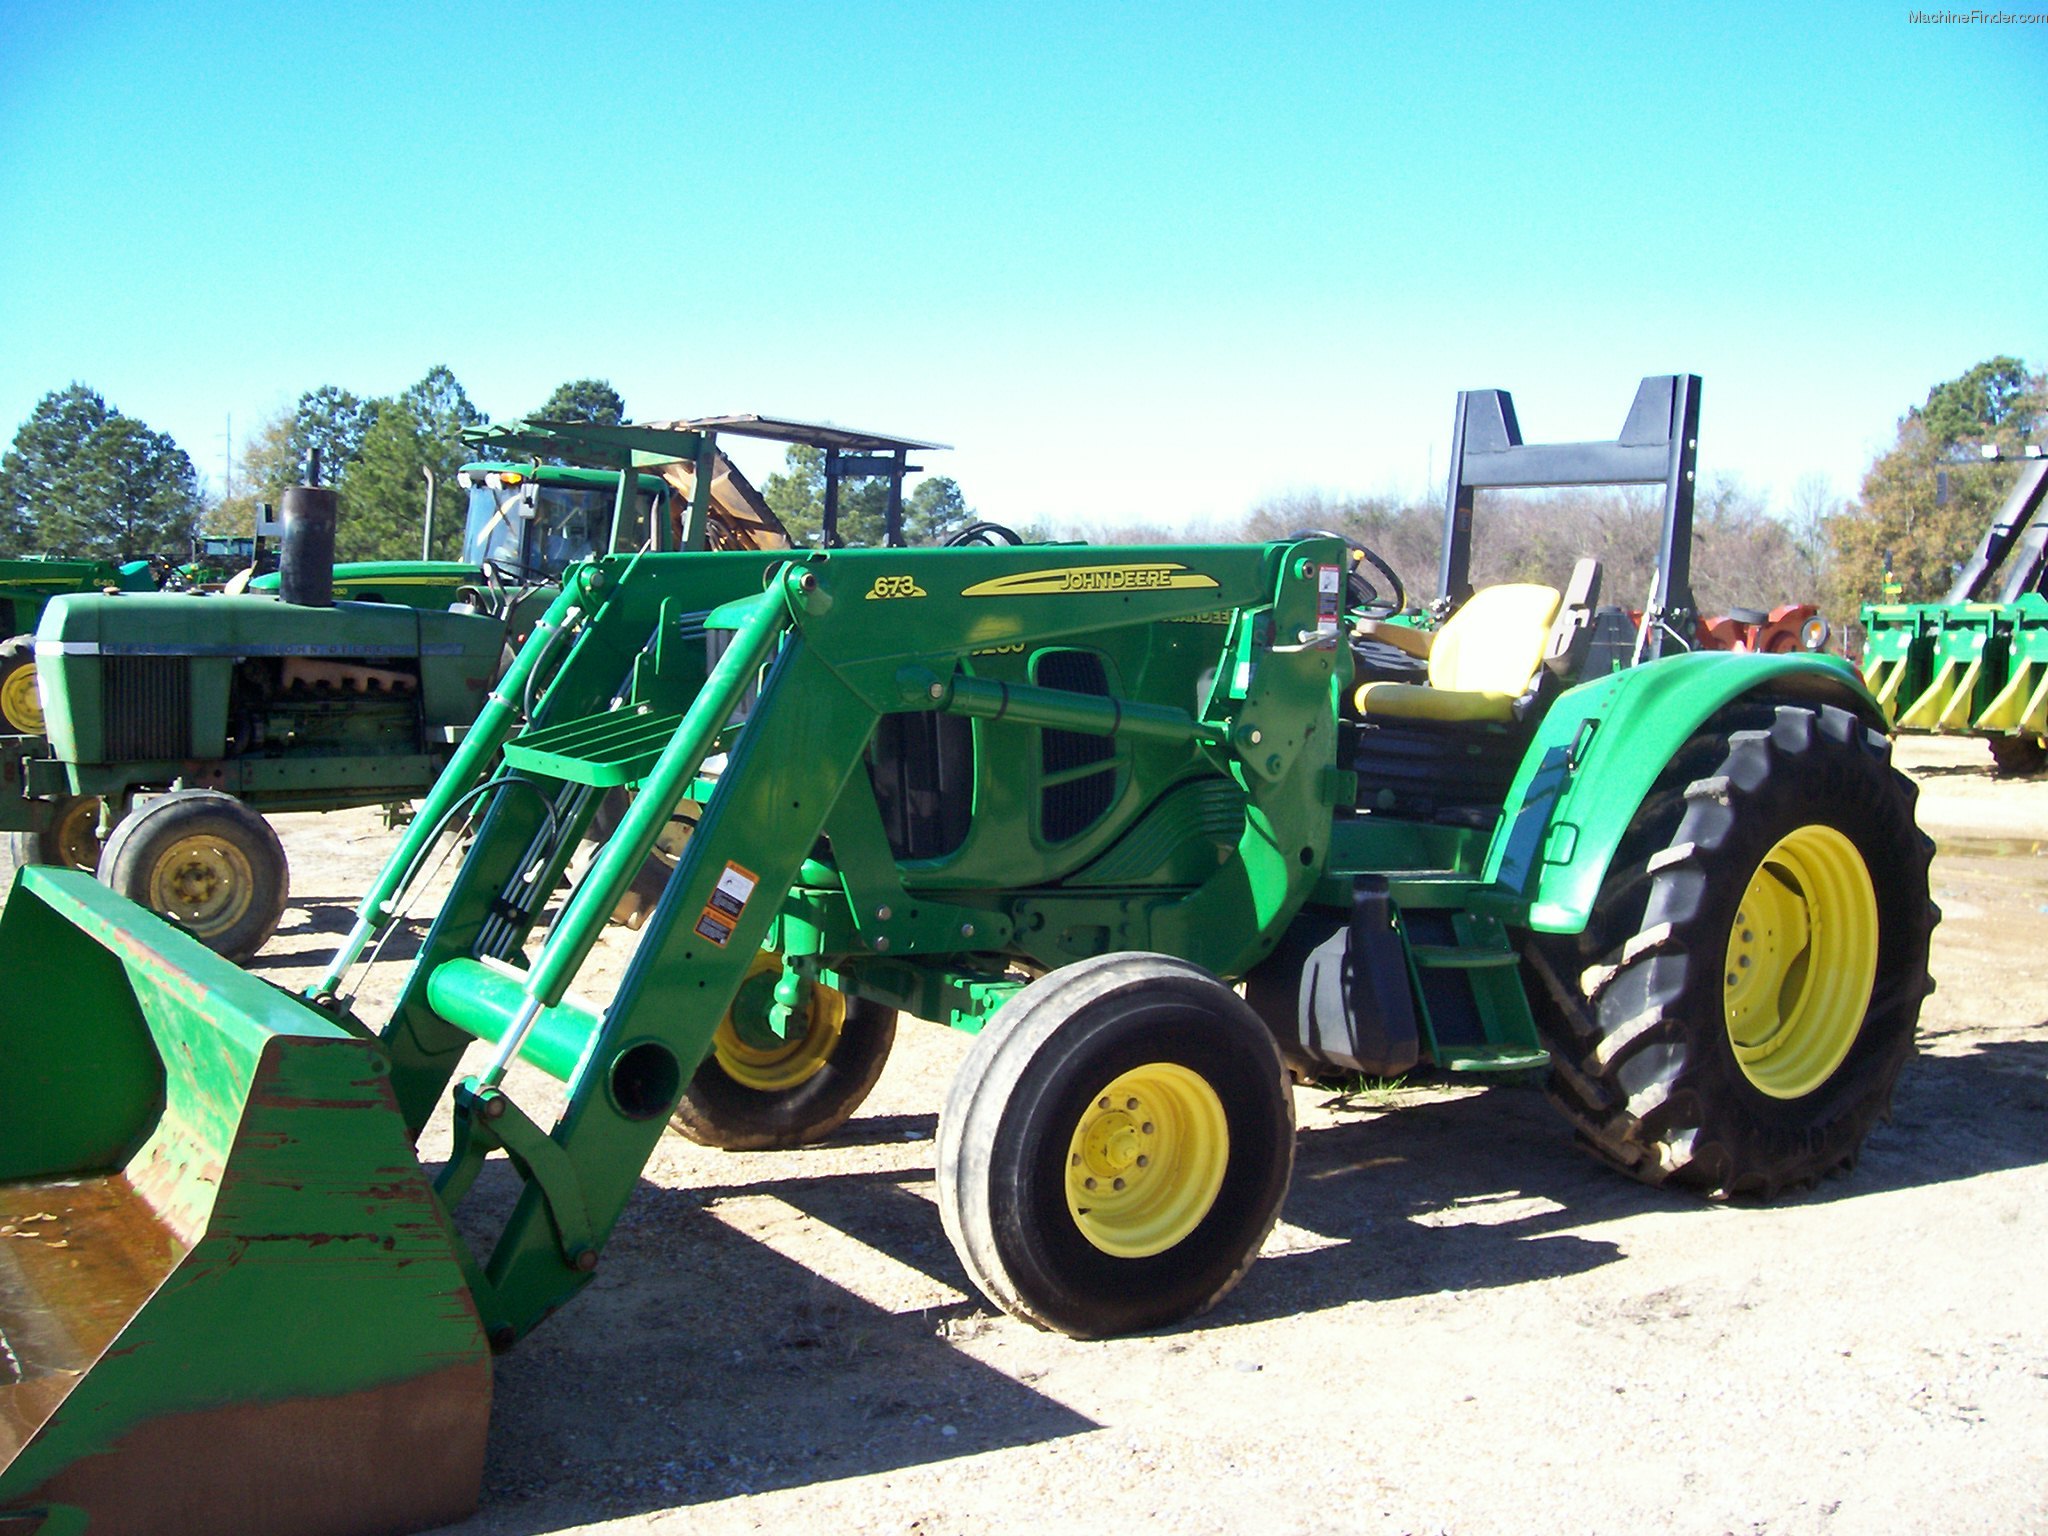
<point>313,925</point>
<point>737,1370</point>
<point>700,1364</point>
<point>1956,1115</point>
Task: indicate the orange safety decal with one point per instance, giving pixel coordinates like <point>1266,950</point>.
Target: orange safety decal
<point>729,899</point>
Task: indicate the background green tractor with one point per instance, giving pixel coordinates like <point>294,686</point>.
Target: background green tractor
<point>180,719</point>
<point>1061,798</point>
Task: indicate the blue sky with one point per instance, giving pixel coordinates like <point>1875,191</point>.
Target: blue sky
<point>1134,262</point>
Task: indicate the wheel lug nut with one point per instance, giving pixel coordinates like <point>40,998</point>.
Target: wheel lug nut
<point>1130,1103</point>
<point>1103,1102</point>
<point>1144,1160</point>
<point>1087,1183</point>
<point>1119,1184</point>
<point>1146,1127</point>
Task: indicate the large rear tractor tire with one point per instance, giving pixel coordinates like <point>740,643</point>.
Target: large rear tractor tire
<point>21,705</point>
<point>1736,1016</point>
<point>205,861</point>
<point>758,1090</point>
<point>1116,1146</point>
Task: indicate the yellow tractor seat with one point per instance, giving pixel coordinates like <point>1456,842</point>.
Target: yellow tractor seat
<point>1481,662</point>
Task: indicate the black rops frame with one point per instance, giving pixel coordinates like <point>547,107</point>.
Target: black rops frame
<point>1659,443</point>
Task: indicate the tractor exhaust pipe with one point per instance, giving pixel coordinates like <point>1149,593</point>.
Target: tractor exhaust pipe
<point>305,559</point>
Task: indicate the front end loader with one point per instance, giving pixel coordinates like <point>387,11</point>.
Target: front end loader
<point>1070,800</point>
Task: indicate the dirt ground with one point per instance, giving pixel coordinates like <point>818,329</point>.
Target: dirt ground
<point>1461,1323</point>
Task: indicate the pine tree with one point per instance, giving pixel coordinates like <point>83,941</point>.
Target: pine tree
<point>84,481</point>
<point>384,494</point>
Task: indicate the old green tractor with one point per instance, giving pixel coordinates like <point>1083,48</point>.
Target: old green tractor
<point>1068,799</point>
<point>179,720</point>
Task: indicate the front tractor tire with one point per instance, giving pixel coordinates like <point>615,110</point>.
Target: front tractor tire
<point>205,861</point>
<point>1116,1146</point>
<point>1738,1012</point>
<point>759,1090</point>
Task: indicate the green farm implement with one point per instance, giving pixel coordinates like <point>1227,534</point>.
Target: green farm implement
<point>1059,797</point>
<point>1976,663</point>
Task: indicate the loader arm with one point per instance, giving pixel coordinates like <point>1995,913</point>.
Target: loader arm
<point>804,669</point>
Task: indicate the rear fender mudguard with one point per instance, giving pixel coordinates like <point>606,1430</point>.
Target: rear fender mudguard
<point>1599,751</point>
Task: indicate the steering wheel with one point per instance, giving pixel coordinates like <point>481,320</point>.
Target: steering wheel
<point>1360,593</point>
<point>994,535</point>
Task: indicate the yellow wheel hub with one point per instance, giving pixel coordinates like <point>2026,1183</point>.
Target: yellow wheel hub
<point>750,1051</point>
<point>1801,960</point>
<point>1147,1160</point>
<point>204,882</point>
<point>20,703</point>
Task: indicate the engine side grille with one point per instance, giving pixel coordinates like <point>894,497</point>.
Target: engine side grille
<point>1070,807</point>
<point>146,704</point>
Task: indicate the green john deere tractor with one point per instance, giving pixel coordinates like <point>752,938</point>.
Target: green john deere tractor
<point>178,721</point>
<point>1059,797</point>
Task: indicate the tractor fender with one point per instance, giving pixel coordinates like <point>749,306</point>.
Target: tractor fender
<point>1600,749</point>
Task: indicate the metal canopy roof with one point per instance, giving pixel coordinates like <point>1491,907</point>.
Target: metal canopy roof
<point>651,442</point>
<point>815,434</point>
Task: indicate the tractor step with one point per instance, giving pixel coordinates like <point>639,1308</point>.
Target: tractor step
<point>606,751</point>
<point>1475,1010</point>
<point>1492,1058</point>
<point>1452,957</point>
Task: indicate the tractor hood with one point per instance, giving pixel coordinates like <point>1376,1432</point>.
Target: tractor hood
<point>107,663</point>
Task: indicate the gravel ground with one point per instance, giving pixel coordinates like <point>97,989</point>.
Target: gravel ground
<point>1461,1323</point>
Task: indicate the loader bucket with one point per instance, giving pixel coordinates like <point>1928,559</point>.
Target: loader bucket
<point>229,1300</point>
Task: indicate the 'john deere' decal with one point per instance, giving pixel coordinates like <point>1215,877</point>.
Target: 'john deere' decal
<point>1151,577</point>
<point>895,586</point>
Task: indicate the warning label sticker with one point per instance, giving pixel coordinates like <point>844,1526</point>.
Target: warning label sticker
<point>729,898</point>
<point>734,888</point>
<point>1329,595</point>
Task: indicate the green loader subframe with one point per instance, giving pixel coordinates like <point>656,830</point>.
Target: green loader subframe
<point>1060,797</point>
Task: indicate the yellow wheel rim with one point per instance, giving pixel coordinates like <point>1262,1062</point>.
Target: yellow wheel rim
<point>77,834</point>
<point>1801,960</point>
<point>750,1051</point>
<point>204,882</point>
<point>1146,1160</point>
<point>20,703</point>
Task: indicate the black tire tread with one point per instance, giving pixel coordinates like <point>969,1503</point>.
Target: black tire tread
<point>716,1111</point>
<point>969,1127</point>
<point>1627,1017</point>
<point>122,859</point>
